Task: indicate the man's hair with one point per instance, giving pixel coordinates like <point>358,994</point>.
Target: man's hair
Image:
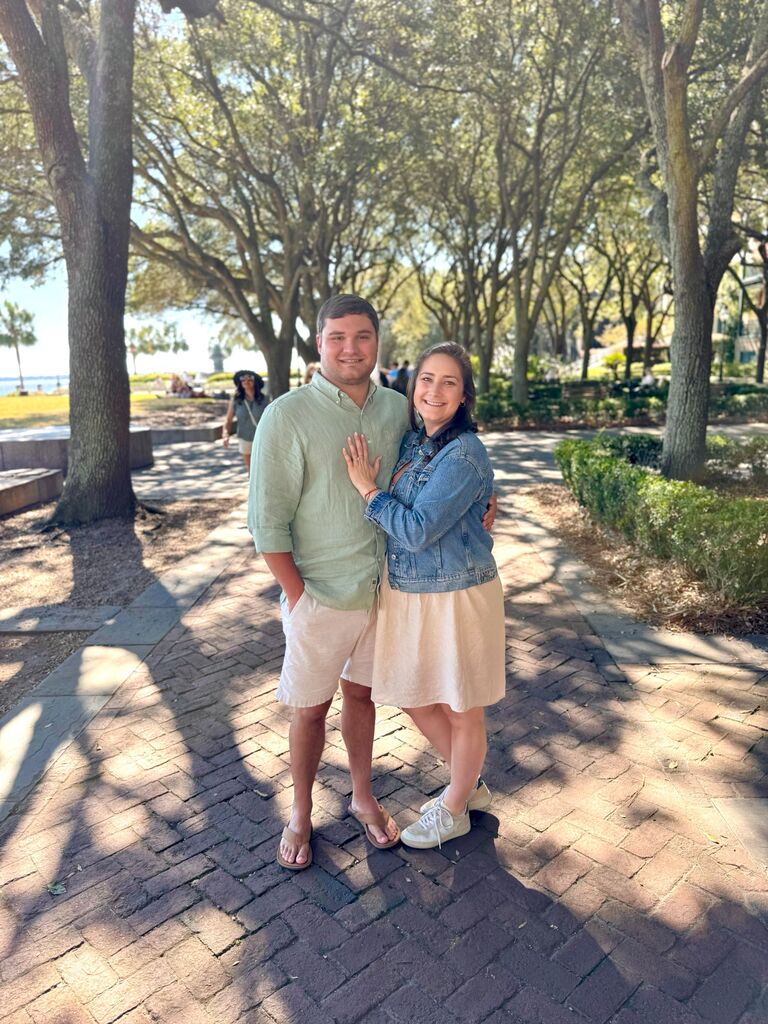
<point>345,305</point>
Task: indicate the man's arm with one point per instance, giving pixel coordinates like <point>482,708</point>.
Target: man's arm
<point>275,491</point>
<point>283,568</point>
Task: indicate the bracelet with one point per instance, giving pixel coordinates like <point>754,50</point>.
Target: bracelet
<point>367,495</point>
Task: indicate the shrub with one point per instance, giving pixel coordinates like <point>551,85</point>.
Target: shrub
<point>741,403</point>
<point>738,459</point>
<point>495,403</point>
<point>637,449</point>
<point>721,540</point>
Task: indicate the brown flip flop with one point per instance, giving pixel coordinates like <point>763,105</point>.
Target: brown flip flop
<point>292,837</point>
<point>380,818</point>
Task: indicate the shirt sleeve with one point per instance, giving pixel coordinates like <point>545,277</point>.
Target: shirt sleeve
<point>448,494</point>
<point>277,477</point>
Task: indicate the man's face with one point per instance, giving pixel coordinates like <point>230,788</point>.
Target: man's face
<point>348,348</point>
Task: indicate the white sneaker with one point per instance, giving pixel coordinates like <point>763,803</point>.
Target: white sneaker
<point>435,827</point>
<point>479,799</point>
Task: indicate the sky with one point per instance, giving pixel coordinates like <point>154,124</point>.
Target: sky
<point>50,356</point>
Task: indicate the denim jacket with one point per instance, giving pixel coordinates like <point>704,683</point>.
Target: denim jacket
<point>436,541</point>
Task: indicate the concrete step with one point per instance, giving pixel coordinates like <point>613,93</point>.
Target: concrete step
<point>20,488</point>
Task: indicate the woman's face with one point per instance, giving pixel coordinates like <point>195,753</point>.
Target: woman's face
<point>249,383</point>
<point>438,391</point>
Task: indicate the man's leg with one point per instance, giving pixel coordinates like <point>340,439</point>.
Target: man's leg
<point>358,720</point>
<point>306,739</point>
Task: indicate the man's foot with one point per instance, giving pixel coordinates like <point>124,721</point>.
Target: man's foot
<point>294,851</point>
<point>380,828</point>
<point>435,827</point>
<point>479,799</point>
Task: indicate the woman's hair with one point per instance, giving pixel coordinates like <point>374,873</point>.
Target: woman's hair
<point>462,418</point>
<point>258,385</point>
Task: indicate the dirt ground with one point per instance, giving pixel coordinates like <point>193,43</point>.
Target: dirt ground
<point>177,412</point>
<point>656,592</point>
<point>108,563</point>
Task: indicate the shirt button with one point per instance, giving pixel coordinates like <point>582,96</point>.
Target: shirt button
<point>393,557</point>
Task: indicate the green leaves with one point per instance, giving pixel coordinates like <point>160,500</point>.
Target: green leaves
<point>722,540</point>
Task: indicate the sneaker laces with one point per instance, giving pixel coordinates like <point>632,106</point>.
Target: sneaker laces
<point>433,818</point>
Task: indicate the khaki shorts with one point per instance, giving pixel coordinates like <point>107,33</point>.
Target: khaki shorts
<point>323,645</point>
<point>244,446</point>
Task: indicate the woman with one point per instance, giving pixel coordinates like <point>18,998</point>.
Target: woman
<point>246,407</point>
<point>440,632</point>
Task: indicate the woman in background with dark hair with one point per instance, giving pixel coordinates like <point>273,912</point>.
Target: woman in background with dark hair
<point>245,409</point>
<point>440,651</point>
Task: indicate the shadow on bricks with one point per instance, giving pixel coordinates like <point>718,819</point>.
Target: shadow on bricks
<point>604,887</point>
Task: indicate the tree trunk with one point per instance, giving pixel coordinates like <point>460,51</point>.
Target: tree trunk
<point>630,325</point>
<point>586,337</point>
<point>762,320</point>
<point>648,346</point>
<point>520,365</point>
<point>278,357</point>
<point>93,204</point>
<point>18,360</point>
<point>98,482</point>
<point>686,429</point>
<point>484,375</point>
<point>307,350</point>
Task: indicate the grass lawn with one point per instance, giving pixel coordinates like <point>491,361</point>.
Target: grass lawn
<point>17,411</point>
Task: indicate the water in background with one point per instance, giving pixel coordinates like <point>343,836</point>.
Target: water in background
<point>8,385</point>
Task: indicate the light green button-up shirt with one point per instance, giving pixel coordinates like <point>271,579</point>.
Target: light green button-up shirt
<point>301,499</point>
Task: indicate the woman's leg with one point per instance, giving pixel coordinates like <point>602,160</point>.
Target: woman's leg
<point>247,461</point>
<point>468,749</point>
<point>432,721</point>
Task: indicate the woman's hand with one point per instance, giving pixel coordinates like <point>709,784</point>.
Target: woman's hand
<point>362,473</point>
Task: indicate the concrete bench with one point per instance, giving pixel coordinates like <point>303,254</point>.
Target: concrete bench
<point>180,435</point>
<point>20,488</point>
<point>48,447</point>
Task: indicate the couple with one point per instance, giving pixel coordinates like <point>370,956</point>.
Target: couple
<point>328,520</point>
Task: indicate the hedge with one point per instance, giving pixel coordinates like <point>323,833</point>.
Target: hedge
<point>726,457</point>
<point>721,540</point>
<point>595,404</point>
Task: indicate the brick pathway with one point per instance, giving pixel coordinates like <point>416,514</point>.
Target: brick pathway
<point>603,887</point>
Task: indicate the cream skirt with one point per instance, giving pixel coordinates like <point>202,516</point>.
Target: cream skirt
<point>440,648</point>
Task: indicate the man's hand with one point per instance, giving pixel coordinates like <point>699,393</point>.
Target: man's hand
<point>283,568</point>
<point>293,598</point>
<point>490,513</point>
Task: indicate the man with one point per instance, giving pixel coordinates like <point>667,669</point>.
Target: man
<point>306,520</point>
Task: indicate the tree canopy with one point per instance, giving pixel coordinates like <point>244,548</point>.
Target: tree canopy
<point>492,173</point>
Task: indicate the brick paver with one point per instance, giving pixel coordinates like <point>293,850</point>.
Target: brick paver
<point>603,886</point>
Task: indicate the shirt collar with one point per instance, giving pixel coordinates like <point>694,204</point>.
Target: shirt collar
<point>336,394</point>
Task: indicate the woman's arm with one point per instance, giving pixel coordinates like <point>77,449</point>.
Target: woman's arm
<point>229,419</point>
<point>449,493</point>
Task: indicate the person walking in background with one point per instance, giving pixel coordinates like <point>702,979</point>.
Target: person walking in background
<point>400,383</point>
<point>245,410</point>
<point>440,651</point>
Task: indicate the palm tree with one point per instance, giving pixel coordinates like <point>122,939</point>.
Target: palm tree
<point>16,328</point>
